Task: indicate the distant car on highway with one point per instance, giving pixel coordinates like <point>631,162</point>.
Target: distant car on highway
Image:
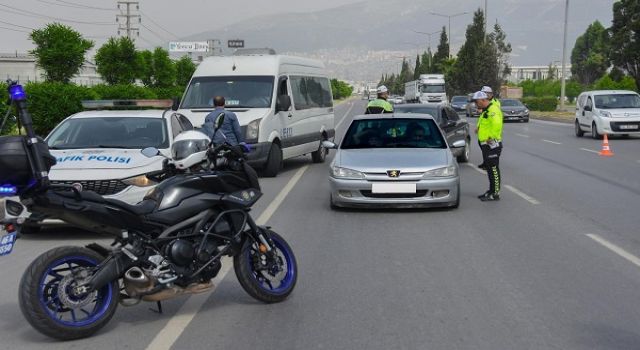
<point>455,128</point>
<point>398,160</point>
<point>459,103</point>
<point>614,112</point>
<point>514,110</point>
<point>395,100</point>
<point>472,109</point>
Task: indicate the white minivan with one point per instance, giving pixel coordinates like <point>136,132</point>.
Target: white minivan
<point>284,104</point>
<point>614,112</point>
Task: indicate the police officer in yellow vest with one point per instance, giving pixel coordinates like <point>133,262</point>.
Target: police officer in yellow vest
<point>380,105</point>
<point>490,138</point>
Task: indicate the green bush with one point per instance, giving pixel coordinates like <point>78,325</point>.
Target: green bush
<point>542,104</point>
<point>168,93</point>
<point>123,92</point>
<point>52,102</point>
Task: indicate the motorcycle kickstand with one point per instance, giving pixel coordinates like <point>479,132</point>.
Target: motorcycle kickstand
<point>159,310</point>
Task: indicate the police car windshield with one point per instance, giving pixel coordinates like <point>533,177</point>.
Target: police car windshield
<point>110,132</point>
<point>617,101</point>
<point>239,92</point>
<point>393,133</point>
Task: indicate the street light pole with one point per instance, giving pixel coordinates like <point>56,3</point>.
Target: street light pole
<point>429,34</point>
<point>564,56</point>
<point>486,16</point>
<point>449,17</point>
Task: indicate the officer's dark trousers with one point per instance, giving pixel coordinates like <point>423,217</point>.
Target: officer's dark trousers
<point>491,158</point>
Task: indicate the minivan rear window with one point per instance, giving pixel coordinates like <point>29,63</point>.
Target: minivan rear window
<point>238,91</point>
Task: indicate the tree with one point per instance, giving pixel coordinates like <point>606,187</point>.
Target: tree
<point>551,72</point>
<point>117,61</point>
<point>416,70</point>
<point>476,64</point>
<point>442,53</point>
<point>184,70</point>
<point>156,69</point>
<point>589,55</point>
<point>60,51</point>
<point>625,31</point>
<point>503,50</point>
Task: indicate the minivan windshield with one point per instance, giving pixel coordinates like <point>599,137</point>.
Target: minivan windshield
<point>393,133</point>
<point>433,89</point>
<point>110,132</point>
<point>617,101</point>
<point>239,92</point>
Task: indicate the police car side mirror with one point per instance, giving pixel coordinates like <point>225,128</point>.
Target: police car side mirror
<point>175,104</point>
<point>150,152</point>
<point>283,103</point>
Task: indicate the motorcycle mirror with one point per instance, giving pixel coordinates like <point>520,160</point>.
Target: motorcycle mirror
<point>150,152</point>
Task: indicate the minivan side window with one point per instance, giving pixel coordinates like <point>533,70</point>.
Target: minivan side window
<point>589,103</point>
<point>311,92</point>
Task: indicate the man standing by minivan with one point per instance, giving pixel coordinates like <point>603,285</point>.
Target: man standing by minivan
<point>230,131</point>
<point>490,139</point>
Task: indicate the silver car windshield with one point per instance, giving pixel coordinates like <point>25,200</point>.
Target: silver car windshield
<point>617,101</point>
<point>393,133</point>
<point>239,92</point>
<point>110,132</point>
<point>511,103</point>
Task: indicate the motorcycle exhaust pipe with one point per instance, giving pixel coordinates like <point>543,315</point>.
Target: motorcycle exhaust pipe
<point>136,277</point>
<point>110,271</point>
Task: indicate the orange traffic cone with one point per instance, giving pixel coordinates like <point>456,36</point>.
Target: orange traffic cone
<point>606,150</point>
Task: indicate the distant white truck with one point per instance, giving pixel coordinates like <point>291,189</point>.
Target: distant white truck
<point>429,88</point>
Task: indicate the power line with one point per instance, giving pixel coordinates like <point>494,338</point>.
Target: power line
<point>16,25</point>
<point>152,32</point>
<point>15,30</point>
<point>86,6</point>
<point>38,15</point>
<point>157,25</point>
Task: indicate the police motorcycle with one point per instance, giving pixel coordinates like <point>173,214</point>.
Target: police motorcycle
<point>170,244</point>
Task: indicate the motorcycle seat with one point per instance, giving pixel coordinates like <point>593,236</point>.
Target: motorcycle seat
<point>143,208</point>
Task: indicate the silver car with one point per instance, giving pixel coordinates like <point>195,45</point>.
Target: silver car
<point>394,160</point>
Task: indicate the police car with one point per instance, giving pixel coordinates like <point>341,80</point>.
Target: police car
<point>99,150</point>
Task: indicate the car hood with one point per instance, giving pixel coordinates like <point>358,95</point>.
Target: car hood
<point>623,112</point>
<point>512,109</point>
<point>245,115</point>
<point>403,159</point>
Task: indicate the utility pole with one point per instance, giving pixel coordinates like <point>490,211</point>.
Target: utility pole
<point>564,56</point>
<point>127,17</point>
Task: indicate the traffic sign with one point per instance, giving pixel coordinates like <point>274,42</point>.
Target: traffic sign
<point>235,44</point>
<point>189,46</point>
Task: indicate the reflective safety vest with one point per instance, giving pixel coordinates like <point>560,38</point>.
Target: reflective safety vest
<point>490,123</point>
<point>379,106</point>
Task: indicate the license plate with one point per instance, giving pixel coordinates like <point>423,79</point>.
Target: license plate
<point>6,243</point>
<point>393,188</point>
<point>628,127</point>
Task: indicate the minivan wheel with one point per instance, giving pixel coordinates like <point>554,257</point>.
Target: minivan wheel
<point>274,162</point>
<point>594,132</point>
<point>320,155</point>
<point>579,132</point>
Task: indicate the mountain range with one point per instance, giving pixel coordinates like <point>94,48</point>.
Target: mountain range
<point>384,30</point>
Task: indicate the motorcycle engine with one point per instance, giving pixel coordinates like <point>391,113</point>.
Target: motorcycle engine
<point>181,252</point>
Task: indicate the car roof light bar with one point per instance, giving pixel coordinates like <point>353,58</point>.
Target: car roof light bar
<point>123,104</point>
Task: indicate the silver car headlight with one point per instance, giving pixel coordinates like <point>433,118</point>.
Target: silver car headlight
<point>253,131</point>
<point>442,172</point>
<point>139,181</point>
<point>344,173</point>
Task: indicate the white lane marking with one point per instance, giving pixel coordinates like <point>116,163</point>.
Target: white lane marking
<point>554,142</point>
<point>590,150</point>
<point>475,168</point>
<point>522,195</point>
<point>523,135</point>
<point>170,333</point>
<point>614,248</point>
<point>344,117</point>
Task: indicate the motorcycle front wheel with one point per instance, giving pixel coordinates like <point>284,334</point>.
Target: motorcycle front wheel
<point>269,278</point>
<point>51,305</point>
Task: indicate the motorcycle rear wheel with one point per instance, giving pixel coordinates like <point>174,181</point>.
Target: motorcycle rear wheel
<point>269,286</point>
<point>48,303</point>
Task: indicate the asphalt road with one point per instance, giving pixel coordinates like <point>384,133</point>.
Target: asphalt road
<point>553,265</point>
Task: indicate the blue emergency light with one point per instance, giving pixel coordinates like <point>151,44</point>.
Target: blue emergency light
<point>8,190</point>
<point>16,92</point>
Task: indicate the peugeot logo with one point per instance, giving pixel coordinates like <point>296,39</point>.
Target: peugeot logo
<point>393,173</point>
<point>77,186</point>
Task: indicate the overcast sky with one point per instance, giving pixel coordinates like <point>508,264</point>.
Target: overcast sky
<point>162,20</point>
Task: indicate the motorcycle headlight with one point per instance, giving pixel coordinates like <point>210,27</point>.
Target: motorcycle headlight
<point>253,131</point>
<point>605,114</point>
<point>344,173</point>
<point>139,181</point>
<point>442,172</point>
